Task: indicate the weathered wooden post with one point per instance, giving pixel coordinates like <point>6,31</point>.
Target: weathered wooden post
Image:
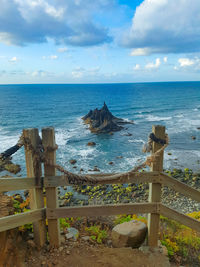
<point>33,167</point>
<point>48,140</point>
<point>155,188</point>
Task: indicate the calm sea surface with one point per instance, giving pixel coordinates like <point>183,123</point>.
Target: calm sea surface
<point>175,105</point>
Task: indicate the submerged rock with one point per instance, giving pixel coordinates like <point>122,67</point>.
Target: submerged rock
<point>7,165</point>
<point>72,161</point>
<point>102,121</point>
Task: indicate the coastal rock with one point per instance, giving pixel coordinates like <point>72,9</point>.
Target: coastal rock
<point>73,161</point>
<point>91,144</point>
<point>129,234</point>
<point>7,165</point>
<point>102,121</point>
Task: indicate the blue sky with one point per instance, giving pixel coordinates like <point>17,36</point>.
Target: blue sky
<point>85,41</point>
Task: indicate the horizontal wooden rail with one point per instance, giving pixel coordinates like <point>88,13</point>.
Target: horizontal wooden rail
<point>179,217</point>
<point>102,210</point>
<point>180,187</point>
<point>135,177</point>
<point>13,221</point>
<point>9,184</point>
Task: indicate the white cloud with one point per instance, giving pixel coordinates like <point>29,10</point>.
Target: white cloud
<point>165,59</point>
<point>40,73</point>
<point>136,67</point>
<point>185,62</point>
<point>165,26</point>
<point>13,60</point>
<point>66,22</point>
<point>188,64</point>
<point>140,52</point>
<point>51,57</point>
<point>153,65</point>
<point>79,72</point>
<point>62,49</point>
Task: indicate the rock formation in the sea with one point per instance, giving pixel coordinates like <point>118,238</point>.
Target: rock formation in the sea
<point>102,121</point>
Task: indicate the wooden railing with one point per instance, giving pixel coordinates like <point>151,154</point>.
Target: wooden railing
<point>52,212</point>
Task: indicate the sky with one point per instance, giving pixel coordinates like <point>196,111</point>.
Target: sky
<point>101,41</point>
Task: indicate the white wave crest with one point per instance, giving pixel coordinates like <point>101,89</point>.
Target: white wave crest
<point>156,118</point>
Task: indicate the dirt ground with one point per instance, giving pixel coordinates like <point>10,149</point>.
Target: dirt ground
<point>85,255</point>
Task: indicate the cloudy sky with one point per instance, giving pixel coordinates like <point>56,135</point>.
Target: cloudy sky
<point>98,41</point>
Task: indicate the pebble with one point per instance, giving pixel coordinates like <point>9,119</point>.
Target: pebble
<point>60,249</point>
<point>85,238</point>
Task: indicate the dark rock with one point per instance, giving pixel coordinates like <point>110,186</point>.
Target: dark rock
<point>73,161</point>
<point>198,128</point>
<point>91,144</point>
<point>128,134</point>
<point>96,169</point>
<point>102,121</point>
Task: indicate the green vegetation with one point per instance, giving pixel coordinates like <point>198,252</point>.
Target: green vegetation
<point>127,218</point>
<point>182,243</point>
<point>97,234</point>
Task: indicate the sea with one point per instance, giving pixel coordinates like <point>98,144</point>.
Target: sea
<point>175,105</point>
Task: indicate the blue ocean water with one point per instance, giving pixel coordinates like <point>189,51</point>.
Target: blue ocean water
<point>175,105</point>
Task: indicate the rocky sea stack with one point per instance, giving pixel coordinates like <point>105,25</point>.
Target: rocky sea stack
<point>102,121</point>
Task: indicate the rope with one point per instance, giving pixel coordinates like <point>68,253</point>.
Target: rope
<point>81,179</point>
<point>40,152</point>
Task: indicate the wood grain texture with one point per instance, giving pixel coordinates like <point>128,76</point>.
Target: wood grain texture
<point>10,184</point>
<point>102,210</point>
<point>155,188</point>
<point>48,141</point>
<point>33,167</point>
<point>14,221</point>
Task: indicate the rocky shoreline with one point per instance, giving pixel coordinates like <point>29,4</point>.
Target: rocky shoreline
<point>126,193</point>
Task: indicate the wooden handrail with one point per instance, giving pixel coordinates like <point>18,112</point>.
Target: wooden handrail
<point>180,217</point>
<point>180,187</point>
<point>19,183</point>
<point>13,221</point>
<point>102,210</point>
<point>135,177</point>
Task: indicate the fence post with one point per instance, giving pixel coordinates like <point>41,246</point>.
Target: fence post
<point>33,167</point>
<point>48,140</point>
<point>155,189</point>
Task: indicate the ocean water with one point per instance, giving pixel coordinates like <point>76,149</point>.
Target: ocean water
<point>175,105</point>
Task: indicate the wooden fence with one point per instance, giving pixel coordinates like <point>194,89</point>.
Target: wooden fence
<point>52,212</point>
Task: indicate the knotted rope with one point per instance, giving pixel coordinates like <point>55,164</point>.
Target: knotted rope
<point>81,179</point>
<point>39,155</point>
